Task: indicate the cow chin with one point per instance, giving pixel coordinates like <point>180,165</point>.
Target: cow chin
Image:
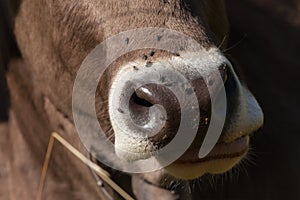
<point>190,171</point>
<point>222,158</point>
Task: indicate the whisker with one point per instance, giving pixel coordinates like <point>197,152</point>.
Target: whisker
<point>224,39</point>
<point>235,45</point>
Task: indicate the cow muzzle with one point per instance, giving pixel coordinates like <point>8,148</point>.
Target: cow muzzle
<point>146,110</point>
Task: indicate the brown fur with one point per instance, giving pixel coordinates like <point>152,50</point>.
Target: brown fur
<point>54,37</point>
<point>41,103</point>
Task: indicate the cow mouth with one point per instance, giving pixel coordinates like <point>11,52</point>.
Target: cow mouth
<point>221,150</point>
<point>221,159</point>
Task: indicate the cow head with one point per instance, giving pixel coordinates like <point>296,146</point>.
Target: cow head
<point>55,36</point>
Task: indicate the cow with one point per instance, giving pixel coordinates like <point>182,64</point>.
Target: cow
<point>58,35</point>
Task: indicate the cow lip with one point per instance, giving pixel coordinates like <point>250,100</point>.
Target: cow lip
<point>222,150</point>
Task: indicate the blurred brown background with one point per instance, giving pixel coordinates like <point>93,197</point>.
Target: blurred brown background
<point>265,40</point>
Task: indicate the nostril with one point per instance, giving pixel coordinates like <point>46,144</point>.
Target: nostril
<point>139,110</point>
<point>144,108</point>
<point>140,101</point>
